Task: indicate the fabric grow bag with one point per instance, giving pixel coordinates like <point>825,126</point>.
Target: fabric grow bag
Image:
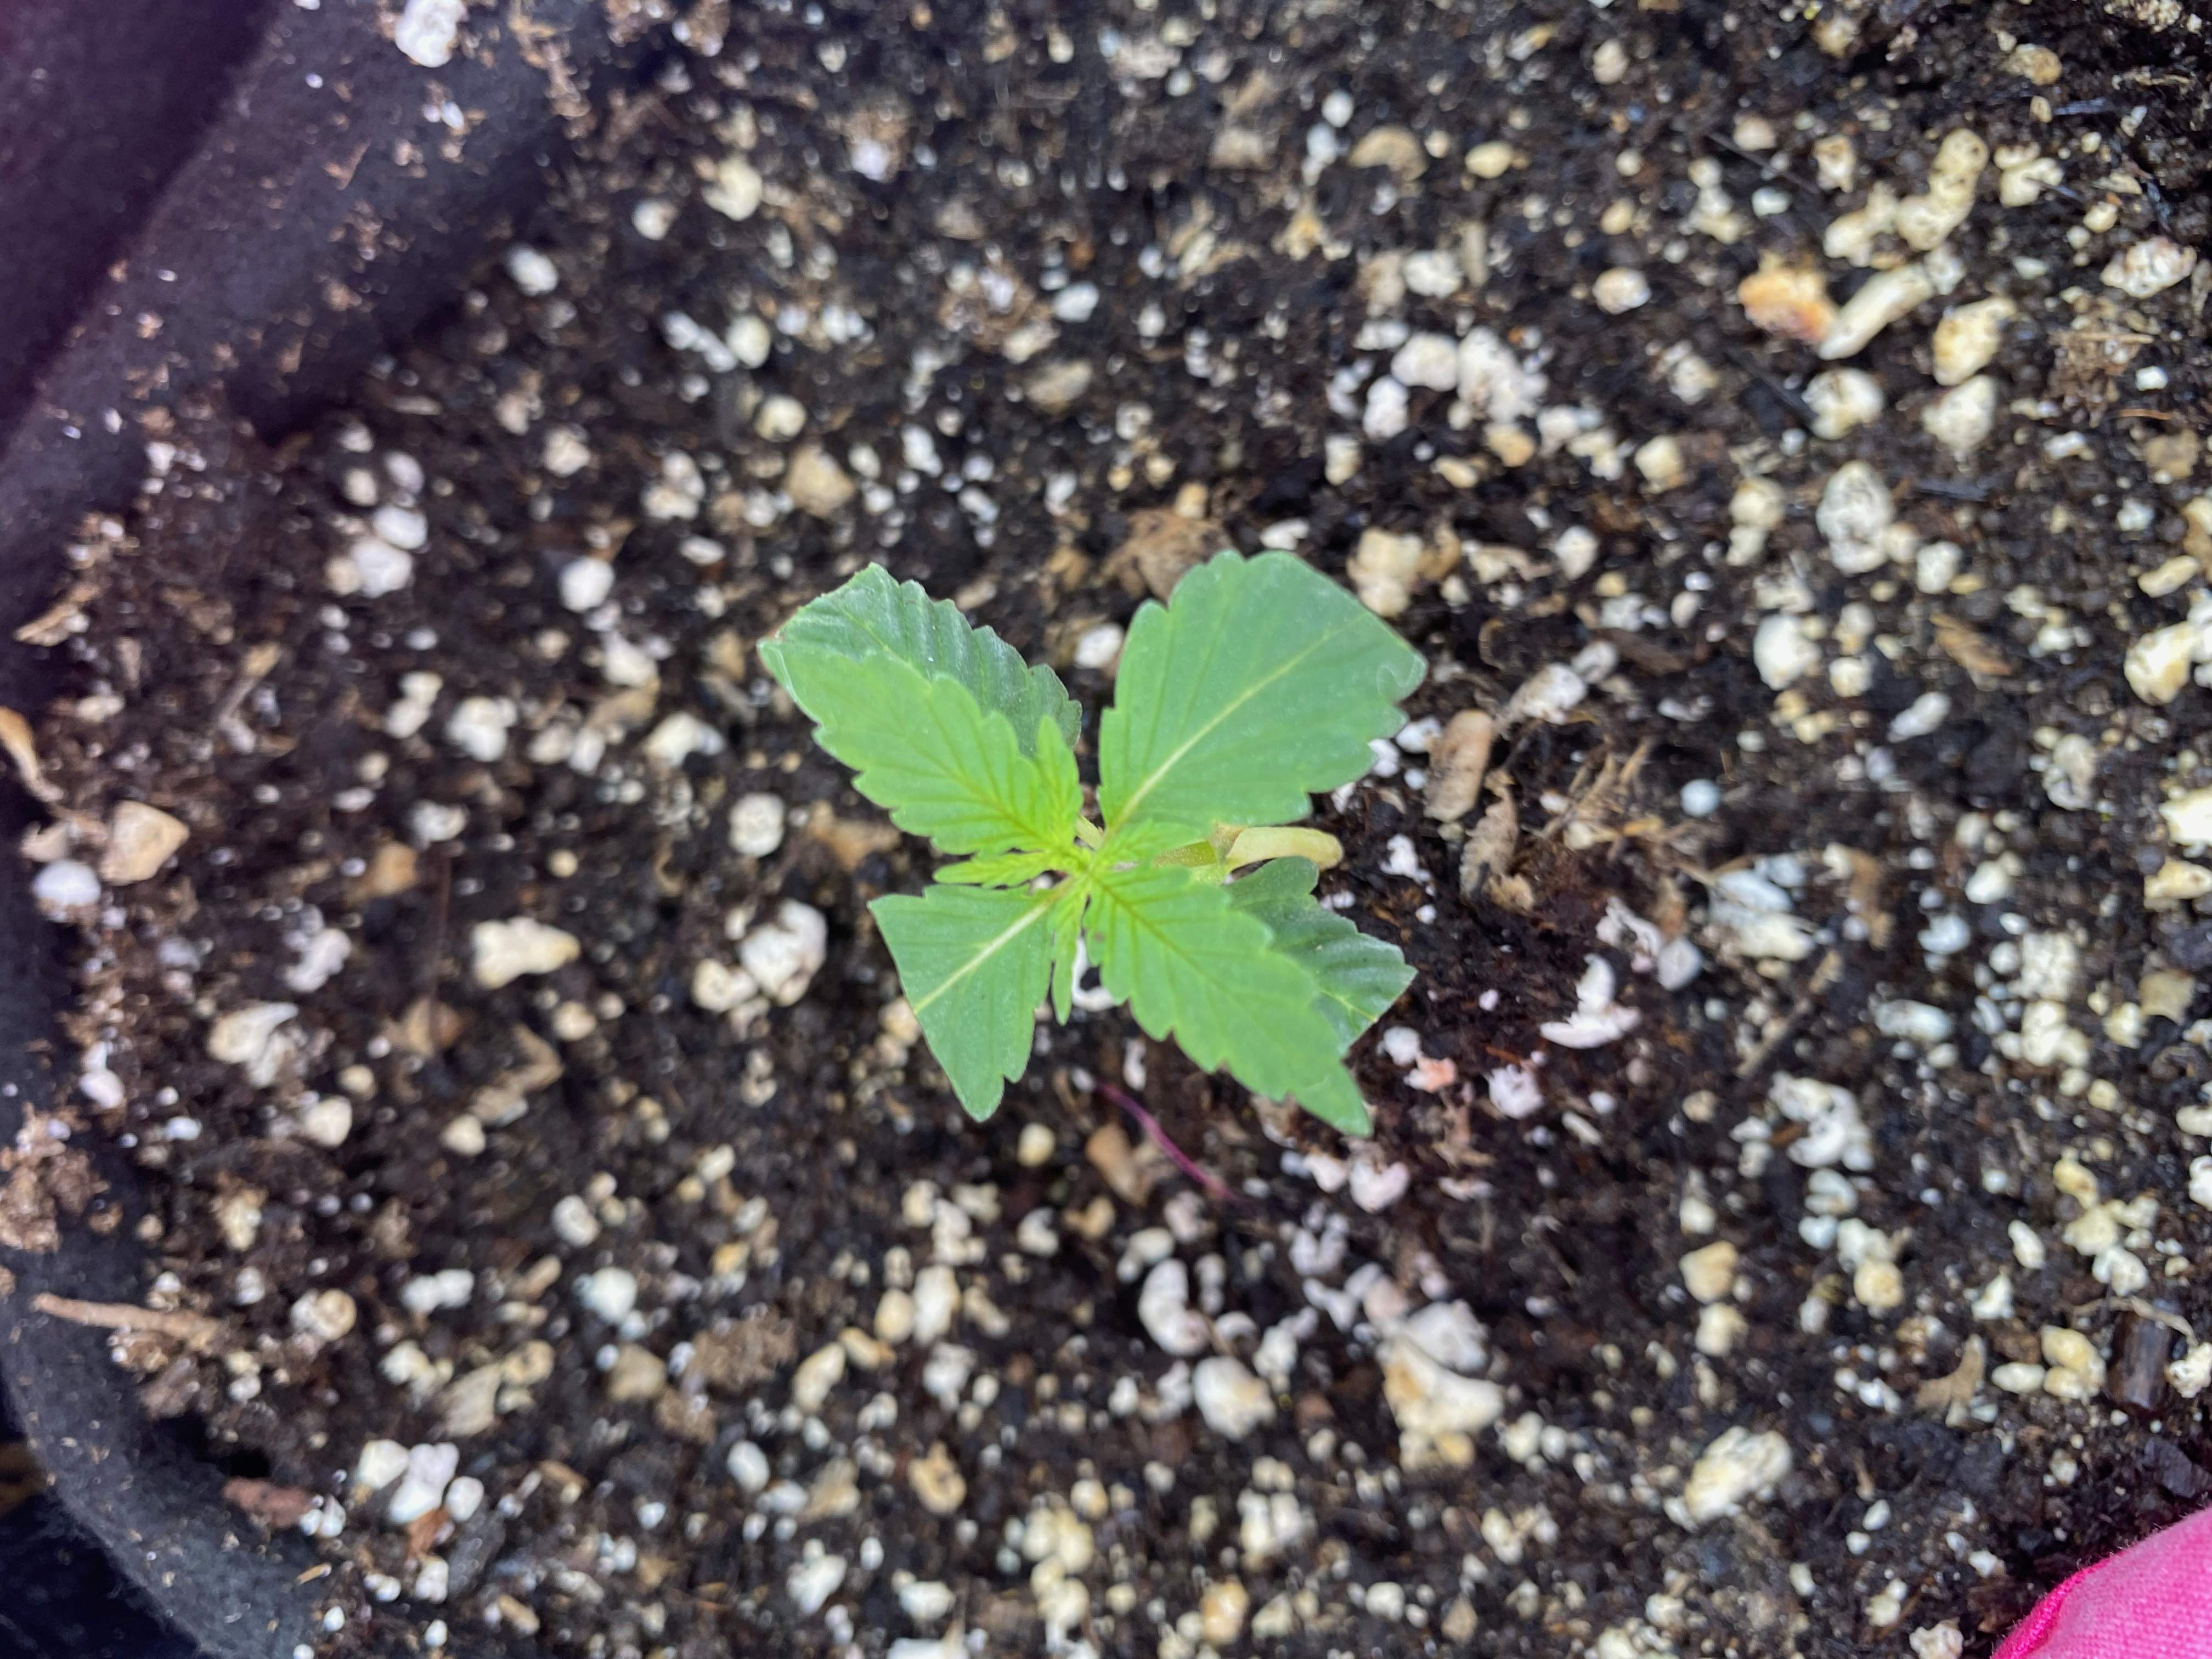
<point>250,201</point>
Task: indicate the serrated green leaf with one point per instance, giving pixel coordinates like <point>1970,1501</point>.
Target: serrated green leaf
<point>872,615</point>
<point>1193,967</point>
<point>972,961</point>
<point>925,750</point>
<point>1002,869</point>
<point>1359,975</point>
<point>1259,685</point>
<point>1336,1101</point>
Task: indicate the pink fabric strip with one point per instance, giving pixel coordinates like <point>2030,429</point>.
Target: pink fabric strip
<point>2153,1602</point>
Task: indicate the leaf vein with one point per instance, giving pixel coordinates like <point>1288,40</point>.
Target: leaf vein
<point>1289,665</point>
<point>974,964</point>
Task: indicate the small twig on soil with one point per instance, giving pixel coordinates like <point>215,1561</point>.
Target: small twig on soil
<point>1950,490</point>
<point>1823,977</point>
<point>429,988</point>
<point>198,1329</point>
<point>2140,1309</point>
<point>1212,1183</point>
<point>253,670</point>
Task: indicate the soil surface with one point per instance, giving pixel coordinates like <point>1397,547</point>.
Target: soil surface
<point>1781,1234</point>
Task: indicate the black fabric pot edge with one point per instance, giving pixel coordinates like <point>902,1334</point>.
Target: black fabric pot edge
<point>254,259</point>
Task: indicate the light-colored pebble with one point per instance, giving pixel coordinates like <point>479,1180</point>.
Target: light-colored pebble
<point>1034,1147</point>
<point>1164,1308</point>
<point>1842,400</point>
<point>1781,652</point>
<point>1790,300</point>
<point>2189,819</point>
<point>1375,1187</point>
<point>1968,337</point>
<point>676,738</point>
<point>1881,300</point>
<point>1620,289</point>
<point>1055,388</point>
<point>141,839</point>
<point>737,189</point>
<point>936,1304</point>
<point>574,1224</point>
<point>2159,664</point>
<point>1925,714</point>
<point>566,452</point>
<point>532,272</point>
<point>65,888</point>
<point>324,1315</point>
<point>253,1038</point>
<point>1708,1272</point>
<point>381,1464</point>
<point>429,31</point>
<point>1936,565</point>
<point>926,1600</point>
<point>780,418</point>
<point>327,1121</point>
<point>370,567</point>
<point>1493,382</point>
<point>818,1373</point>
<point>937,1482</point>
<point>400,524</point>
<point>717,988</point>
<point>1924,221</point>
<point>1233,1401</point>
<point>1962,418</point>
<point>1221,1612</point>
<point>464,1136</point>
<point>1855,514</point>
<point>1450,1334</point>
<point>816,485</point>
<point>1389,408</point>
<point>757,823</point>
<point>501,952</point>
<point>748,1466</point>
<point>478,726</point>
<point>2191,1374</point>
<point>1382,568</point>
<point>611,1293</point>
<point>783,955</point>
<point>1428,361</point>
<point>1737,1467</point>
<point>1429,1399</point>
<point>430,1468</point>
<point>2148,267</point>
<point>586,583</point>
<point>895,1316</point>
<point>814,1580</point>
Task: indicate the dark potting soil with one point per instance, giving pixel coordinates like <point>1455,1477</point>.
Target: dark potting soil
<point>639,1255</point>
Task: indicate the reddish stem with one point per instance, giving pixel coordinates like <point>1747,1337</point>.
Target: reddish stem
<point>1212,1183</point>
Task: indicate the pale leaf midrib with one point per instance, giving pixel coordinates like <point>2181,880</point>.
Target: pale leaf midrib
<point>1205,968</point>
<point>1029,919</point>
<point>1130,804</point>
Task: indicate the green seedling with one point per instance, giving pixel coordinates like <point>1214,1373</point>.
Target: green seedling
<point>1259,684</point>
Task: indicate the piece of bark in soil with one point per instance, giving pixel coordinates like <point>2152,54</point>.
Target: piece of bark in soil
<point>731,1357</point>
<point>274,1506</point>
